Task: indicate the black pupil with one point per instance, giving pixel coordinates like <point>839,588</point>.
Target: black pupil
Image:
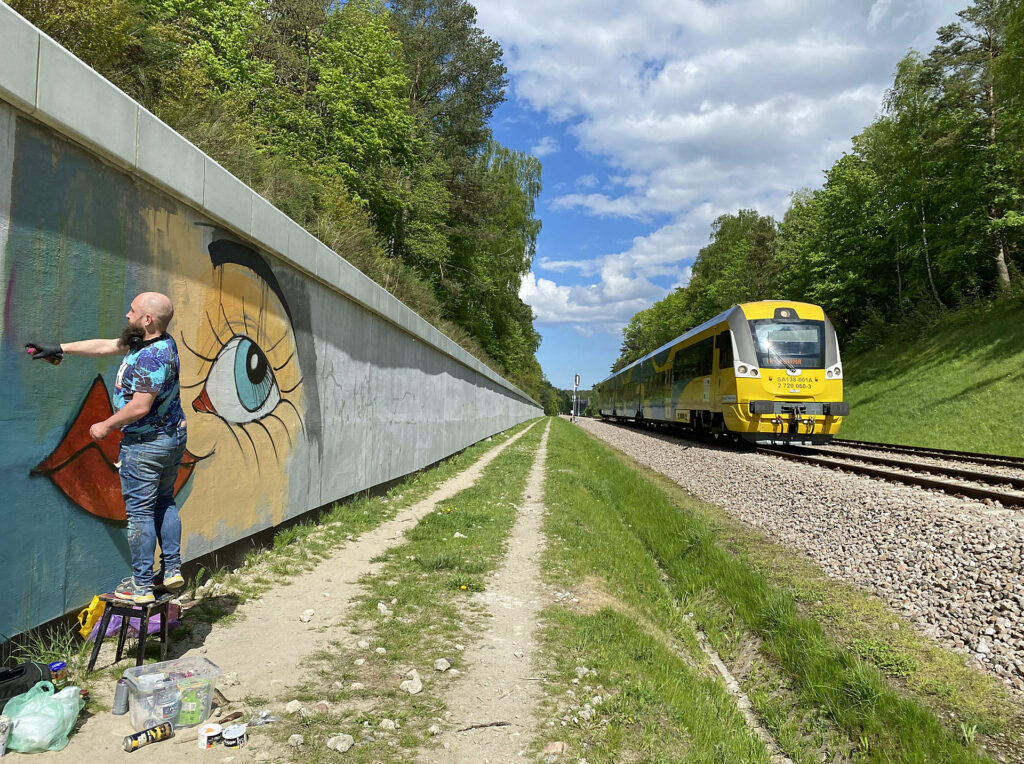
<point>256,365</point>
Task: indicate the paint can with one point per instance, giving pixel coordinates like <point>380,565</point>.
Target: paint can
<point>59,675</point>
<point>209,736</point>
<point>120,706</point>
<point>234,736</point>
<point>147,736</point>
<point>5,730</point>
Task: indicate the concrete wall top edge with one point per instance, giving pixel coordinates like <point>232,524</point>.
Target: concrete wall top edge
<point>43,79</point>
<point>19,59</point>
<point>170,160</point>
<point>270,225</point>
<point>79,102</point>
<point>227,198</point>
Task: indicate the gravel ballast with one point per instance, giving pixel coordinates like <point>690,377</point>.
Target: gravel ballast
<point>949,565</point>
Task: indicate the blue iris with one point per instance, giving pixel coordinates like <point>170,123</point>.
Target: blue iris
<point>253,377</point>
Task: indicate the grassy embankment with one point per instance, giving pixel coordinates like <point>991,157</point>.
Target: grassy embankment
<point>956,384</point>
<point>819,660</point>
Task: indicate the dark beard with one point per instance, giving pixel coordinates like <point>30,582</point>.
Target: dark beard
<point>131,337</point>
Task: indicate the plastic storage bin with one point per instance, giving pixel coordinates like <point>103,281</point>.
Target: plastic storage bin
<point>179,691</point>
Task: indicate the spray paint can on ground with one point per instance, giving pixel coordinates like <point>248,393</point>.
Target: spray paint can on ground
<point>147,736</point>
<point>120,698</point>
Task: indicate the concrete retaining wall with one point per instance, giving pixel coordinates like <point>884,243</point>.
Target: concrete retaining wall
<point>99,200</point>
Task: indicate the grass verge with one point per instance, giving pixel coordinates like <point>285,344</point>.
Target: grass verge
<point>416,609</point>
<point>949,382</point>
<point>661,555</point>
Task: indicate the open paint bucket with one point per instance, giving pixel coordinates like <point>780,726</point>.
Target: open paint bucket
<point>209,736</point>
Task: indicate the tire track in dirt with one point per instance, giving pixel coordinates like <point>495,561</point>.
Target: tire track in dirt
<point>491,709</point>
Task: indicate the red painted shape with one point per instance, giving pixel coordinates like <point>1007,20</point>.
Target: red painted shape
<point>202,403</point>
<point>84,469</point>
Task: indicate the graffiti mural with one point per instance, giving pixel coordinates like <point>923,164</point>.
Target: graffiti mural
<point>294,395</point>
<point>233,376</point>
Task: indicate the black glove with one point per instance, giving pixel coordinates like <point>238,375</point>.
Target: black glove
<point>49,353</point>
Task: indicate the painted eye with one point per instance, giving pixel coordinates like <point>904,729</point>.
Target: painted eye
<point>241,386</point>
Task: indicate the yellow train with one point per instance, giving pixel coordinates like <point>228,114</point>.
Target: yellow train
<point>768,372</point>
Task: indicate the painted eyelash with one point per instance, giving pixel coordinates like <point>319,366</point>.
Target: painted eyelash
<point>298,416</point>
<point>246,334</point>
<point>270,435</point>
<point>288,361</point>
<point>284,426</point>
<point>223,343</point>
<point>196,354</point>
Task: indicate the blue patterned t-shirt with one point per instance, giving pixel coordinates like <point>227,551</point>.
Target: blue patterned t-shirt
<point>153,368</point>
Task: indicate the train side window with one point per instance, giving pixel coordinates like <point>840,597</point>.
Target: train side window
<point>703,357</point>
<point>724,351</point>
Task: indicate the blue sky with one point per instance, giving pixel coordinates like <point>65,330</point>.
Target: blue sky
<point>653,118</point>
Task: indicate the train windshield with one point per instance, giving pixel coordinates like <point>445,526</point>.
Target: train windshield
<point>789,344</point>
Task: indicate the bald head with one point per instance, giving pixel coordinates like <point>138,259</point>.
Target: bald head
<point>151,312</point>
<point>159,307</point>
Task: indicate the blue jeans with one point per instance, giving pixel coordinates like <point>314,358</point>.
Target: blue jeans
<point>149,467</point>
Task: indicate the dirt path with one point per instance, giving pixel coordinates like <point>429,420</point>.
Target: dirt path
<point>492,707</point>
<point>267,647</point>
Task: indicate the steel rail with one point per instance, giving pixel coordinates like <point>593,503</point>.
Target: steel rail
<point>994,460</point>
<point>974,492</point>
<point>935,469</point>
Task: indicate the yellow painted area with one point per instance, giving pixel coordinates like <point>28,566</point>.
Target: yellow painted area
<point>766,309</point>
<point>242,478</point>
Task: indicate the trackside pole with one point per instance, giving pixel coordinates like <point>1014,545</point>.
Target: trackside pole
<point>575,413</point>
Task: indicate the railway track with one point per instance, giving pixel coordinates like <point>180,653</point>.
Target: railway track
<point>950,478</point>
<point>959,475</point>
<point>994,460</point>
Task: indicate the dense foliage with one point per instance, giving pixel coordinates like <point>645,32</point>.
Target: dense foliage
<point>365,121</point>
<point>925,213</point>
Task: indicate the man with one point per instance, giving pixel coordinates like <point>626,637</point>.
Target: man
<point>147,410</point>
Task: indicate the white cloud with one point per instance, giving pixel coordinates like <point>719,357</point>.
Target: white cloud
<point>695,109</point>
<point>684,278</point>
<point>608,304</point>
<point>619,284</point>
<point>546,145</point>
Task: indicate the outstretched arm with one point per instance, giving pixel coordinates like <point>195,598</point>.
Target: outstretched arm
<point>93,348</point>
<point>54,353</point>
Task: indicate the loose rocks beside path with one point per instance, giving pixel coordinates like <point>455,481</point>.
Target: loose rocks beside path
<point>950,565</point>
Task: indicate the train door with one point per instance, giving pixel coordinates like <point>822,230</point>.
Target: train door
<point>724,384</point>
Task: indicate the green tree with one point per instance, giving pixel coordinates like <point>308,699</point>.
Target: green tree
<point>739,264</point>
<point>456,76</point>
<point>967,57</point>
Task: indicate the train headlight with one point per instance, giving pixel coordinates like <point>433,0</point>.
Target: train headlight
<point>829,373</point>
<point>837,371</point>
<point>742,369</point>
